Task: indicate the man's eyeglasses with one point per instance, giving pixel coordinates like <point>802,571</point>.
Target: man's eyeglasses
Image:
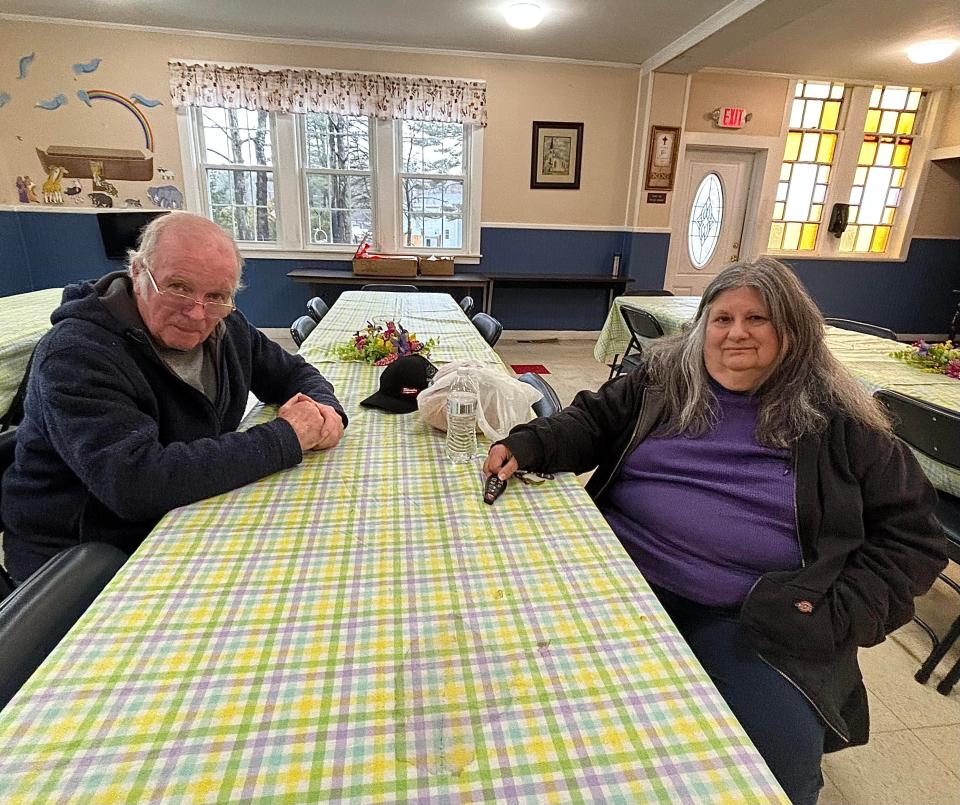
<point>213,309</point>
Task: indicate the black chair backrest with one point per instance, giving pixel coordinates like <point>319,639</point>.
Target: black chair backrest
<point>8,448</point>
<point>862,327</point>
<point>928,428</point>
<point>301,328</point>
<point>36,616</point>
<point>649,292</point>
<point>390,287</point>
<point>317,309</point>
<point>549,404</point>
<point>489,328</point>
<point>640,323</point>
<point>467,304</point>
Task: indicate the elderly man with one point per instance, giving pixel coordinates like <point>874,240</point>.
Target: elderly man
<point>135,395</point>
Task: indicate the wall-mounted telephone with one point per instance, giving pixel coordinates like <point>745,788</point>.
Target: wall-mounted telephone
<point>838,219</point>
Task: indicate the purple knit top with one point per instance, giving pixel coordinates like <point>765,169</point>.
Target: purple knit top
<point>705,517</point>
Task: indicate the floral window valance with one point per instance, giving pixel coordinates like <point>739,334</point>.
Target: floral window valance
<point>300,90</point>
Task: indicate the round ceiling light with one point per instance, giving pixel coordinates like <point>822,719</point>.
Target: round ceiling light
<point>931,51</point>
<point>523,15</point>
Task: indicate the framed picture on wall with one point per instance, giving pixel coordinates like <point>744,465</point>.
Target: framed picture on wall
<point>557,150</point>
<point>662,157</point>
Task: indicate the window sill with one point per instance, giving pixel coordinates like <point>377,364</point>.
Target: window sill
<point>268,253</point>
<point>835,258</point>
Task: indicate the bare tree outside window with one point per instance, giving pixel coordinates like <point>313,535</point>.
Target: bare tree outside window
<point>432,180</point>
<point>237,161</point>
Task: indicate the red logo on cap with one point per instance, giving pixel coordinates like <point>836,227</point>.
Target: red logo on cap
<point>407,391</point>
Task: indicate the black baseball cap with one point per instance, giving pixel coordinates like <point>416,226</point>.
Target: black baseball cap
<point>400,384</point>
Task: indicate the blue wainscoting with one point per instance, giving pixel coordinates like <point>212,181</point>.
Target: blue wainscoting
<point>50,249</point>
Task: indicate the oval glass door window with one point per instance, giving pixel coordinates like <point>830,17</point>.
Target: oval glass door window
<point>706,218</point>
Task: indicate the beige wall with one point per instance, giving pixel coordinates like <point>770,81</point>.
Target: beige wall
<point>763,97</point>
<point>518,92</point>
<point>950,128</point>
<point>939,212</point>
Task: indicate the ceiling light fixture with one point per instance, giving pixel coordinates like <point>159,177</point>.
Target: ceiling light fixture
<point>523,15</point>
<point>931,51</point>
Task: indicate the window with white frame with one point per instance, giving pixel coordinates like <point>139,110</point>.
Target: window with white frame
<point>825,163</point>
<point>321,181</point>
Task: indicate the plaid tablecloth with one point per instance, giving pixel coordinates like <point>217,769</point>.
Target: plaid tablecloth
<point>671,311</point>
<point>363,628</point>
<point>24,318</point>
<point>865,356</point>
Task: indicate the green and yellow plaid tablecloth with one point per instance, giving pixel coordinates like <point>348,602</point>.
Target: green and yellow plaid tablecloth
<point>671,311</point>
<point>363,628</point>
<point>24,318</point>
<point>866,357</point>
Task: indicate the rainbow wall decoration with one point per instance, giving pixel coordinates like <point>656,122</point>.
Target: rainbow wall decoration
<point>107,95</point>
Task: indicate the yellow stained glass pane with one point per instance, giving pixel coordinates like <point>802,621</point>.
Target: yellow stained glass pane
<point>868,151</point>
<point>875,97</point>
<point>831,113</point>
<point>864,237</point>
<point>879,242</point>
<point>884,154</point>
<point>785,169</point>
<point>825,152</point>
<point>778,211</point>
<point>872,122</point>
<point>848,238</point>
<point>808,237</point>
<point>913,100</point>
<point>860,176</point>
<point>791,236</point>
<point>888,122</point>
<point>792,149</point>
<point>905,122</point>
<point>816,212</point>
<point>836,91</point>
<point>897,179</point>
<point>901,155</point>
<point>808,148</point>
<point>853,213</point>
<point>888,214</point>
<point>776,236</point>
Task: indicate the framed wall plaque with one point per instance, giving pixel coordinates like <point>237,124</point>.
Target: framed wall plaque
<point>662,157</point>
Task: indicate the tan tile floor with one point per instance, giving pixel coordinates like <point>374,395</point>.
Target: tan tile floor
<point>914,753</point>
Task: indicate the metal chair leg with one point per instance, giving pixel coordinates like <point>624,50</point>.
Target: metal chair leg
<point>947,683</point>
<point>939,652</point>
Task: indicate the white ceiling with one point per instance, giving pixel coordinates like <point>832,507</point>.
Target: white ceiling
<point>850,39</point>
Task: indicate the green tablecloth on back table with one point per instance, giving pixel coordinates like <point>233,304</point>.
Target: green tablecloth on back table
<point>364,628</point>
<point>24,318</point>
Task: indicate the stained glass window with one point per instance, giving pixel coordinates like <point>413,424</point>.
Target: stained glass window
<point>815,122</point>
<point>706,218</point>
<point>888,133</point>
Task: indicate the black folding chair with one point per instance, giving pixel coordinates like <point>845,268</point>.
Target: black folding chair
<point>392,288</point>
<point>317,309</point>
<point>935,432</point>
<point>467,304</point>
<point>36,616</point>
<point>301,328</point>
<point>862,327</point>
<point>549,403</point>
<point>640,324</point>
<point>489,328</point>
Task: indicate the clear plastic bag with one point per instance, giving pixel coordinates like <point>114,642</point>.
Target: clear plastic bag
<point>504,400</point>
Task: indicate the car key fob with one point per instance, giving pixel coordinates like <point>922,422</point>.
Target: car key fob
<point>493,488</point>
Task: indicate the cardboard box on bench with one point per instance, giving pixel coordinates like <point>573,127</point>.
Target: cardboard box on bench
<point>400,266</point>
<point>436,266</point>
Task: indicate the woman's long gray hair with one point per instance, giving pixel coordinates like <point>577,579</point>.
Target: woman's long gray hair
<point>807,383</point>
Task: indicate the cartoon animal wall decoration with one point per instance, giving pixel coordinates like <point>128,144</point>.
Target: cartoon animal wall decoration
<point>131,202</point>
<point>22,190</point>
<point>31,190</point>
<point>54,103</point>
<point>52,189</point>
<point>87,67</point>
<point>74,189</point>
<point>166,196</point>
<point>163,173</point>
<point>99,183</point>
<point>25,62</point>
<point>4,99</point>
<point>100,199</point>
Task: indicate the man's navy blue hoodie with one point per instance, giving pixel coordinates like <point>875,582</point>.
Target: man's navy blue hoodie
<point>112,439</point>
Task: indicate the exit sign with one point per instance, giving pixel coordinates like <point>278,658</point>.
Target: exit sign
<point>731,117</point>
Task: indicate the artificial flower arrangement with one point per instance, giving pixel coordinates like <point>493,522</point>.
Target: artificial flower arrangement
<point>380,345</point>
<point>942,358</point>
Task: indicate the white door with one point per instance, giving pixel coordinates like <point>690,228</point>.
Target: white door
<point>706,223</point>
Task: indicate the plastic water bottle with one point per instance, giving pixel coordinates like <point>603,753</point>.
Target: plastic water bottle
<point>462,401</point>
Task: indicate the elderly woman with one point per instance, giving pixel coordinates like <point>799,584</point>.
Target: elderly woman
<point>761,493</point>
